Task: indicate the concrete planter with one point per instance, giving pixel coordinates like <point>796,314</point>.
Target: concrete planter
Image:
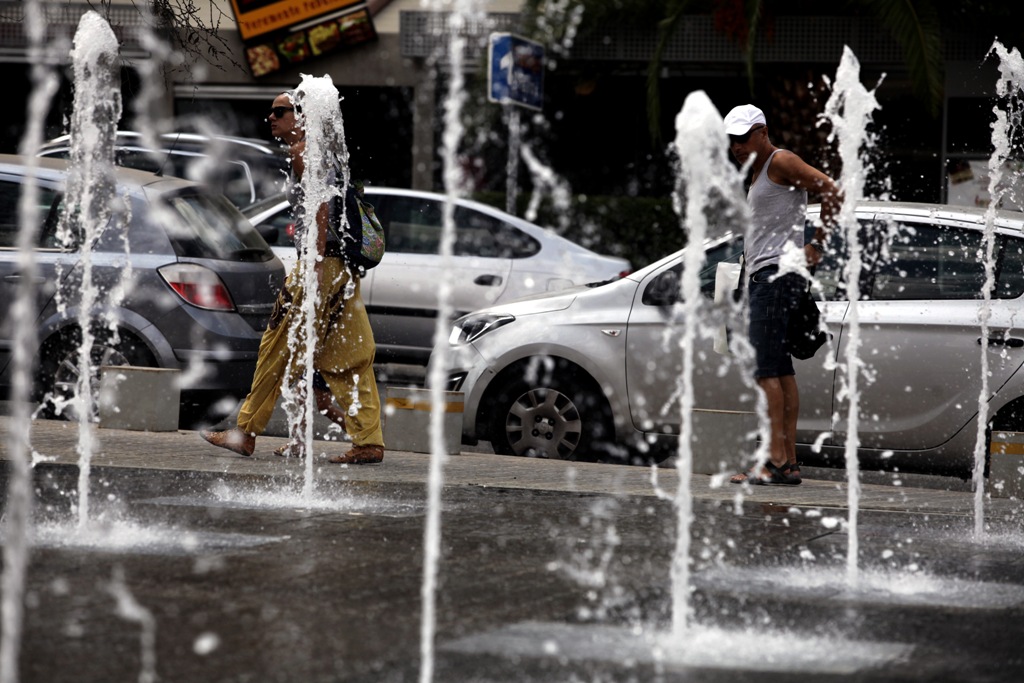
<point>407,420</point>
<point>1006,465</point>
<point>140,399</point>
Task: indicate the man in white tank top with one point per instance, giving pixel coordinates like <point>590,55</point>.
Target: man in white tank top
<point>779,184</point>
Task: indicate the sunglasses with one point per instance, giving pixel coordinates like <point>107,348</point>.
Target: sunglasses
<point>741,139</point>
<point>278,112</point>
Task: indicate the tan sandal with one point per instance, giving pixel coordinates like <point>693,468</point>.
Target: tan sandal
<point>289,450</point>
<point>234,440</point>
<point>359,455</point>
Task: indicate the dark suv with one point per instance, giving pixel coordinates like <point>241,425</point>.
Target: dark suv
<point>246,170</point>
<point>200,289</point>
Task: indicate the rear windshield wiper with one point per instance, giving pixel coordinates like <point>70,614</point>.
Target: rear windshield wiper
<point>249,252</point>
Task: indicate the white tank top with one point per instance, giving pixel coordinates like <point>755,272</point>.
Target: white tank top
<point>778,213</point>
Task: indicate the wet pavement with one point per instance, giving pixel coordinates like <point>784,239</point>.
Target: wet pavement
<point>550,571</point>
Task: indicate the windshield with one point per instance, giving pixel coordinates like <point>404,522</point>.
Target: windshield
<point>208,226</point>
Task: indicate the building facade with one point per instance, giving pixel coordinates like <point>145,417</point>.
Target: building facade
<point>592,129</point>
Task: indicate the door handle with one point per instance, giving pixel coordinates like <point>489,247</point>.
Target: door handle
<point>1010,342</point>
<point>487,280</point>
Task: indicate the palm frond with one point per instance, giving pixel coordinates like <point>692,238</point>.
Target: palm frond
<point>754,11</point>
<point>914,24</point>
<point>666,29</point>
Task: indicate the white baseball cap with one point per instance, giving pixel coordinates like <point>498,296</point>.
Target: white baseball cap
<point>742,118</point>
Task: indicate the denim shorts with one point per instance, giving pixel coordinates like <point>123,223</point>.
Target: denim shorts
<point>771,303</point>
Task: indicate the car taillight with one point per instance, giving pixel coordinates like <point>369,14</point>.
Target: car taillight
<point>198,286</point>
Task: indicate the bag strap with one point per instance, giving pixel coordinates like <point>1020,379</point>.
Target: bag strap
<point>737,294</point>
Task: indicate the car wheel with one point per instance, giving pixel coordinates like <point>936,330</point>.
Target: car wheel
<point>560,414</point>
<point>59,373</point>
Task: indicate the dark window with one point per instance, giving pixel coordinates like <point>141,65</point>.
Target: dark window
<point>478,234</point>
<point>207,226</point>
<point>154,162</point>
<point>277,228</point>
<point>929,262</point>
<point>413,226</point>
<point>728,252</point>
<point>10,195</point>
<point>829,272</point>
<point>918,261</point>
<point>238,180</point>
<point>1010,273</point>
<point>284,222</point>
<point>664,290</point>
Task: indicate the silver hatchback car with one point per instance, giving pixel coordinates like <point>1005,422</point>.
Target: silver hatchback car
<point>201,287</point>
<point>245,170</point>
<point>592,372</point>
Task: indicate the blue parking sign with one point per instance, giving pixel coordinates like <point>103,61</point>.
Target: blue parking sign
<point>515,71</point>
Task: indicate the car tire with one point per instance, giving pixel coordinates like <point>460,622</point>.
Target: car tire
<point>558,413</point>
<point>58,370</point>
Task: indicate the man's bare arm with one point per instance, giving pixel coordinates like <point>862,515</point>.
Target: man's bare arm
<point>789,169</point>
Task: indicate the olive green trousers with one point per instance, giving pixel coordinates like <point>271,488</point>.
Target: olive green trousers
<point>344,355</point>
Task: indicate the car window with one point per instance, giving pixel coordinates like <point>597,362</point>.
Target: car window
<point>663,290</point>
<point>246,177</point>
<point>280,219</point>
<point>56,153</point>
<point>268,174</point>
<point>829,271</point>
<point>931,262</point>
<point>231,177</point>
<point>730,252</point>
<point>10,195</point>
<point>154,162</point>
<point>924,261</point>
<point>1009,268</point>
<point>285,224</point>
<point>208,226</point>
<point>413,226</point>
<point>478,234</point>
<point>234,179</point>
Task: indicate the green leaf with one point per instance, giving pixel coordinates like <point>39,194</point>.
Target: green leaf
<point>666,28</point>
<point>914,24</point>
<point>754,11</point>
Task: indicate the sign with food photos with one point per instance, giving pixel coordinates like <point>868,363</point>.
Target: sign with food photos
<point>280,33</point>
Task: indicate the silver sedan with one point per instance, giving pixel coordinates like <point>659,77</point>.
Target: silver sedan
<point>496,258</point>
<point>593,372</point>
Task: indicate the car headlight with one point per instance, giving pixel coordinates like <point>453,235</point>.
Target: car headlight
<point>472,327</point>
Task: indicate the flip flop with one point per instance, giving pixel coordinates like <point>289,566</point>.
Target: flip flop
<point>776,475</point>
